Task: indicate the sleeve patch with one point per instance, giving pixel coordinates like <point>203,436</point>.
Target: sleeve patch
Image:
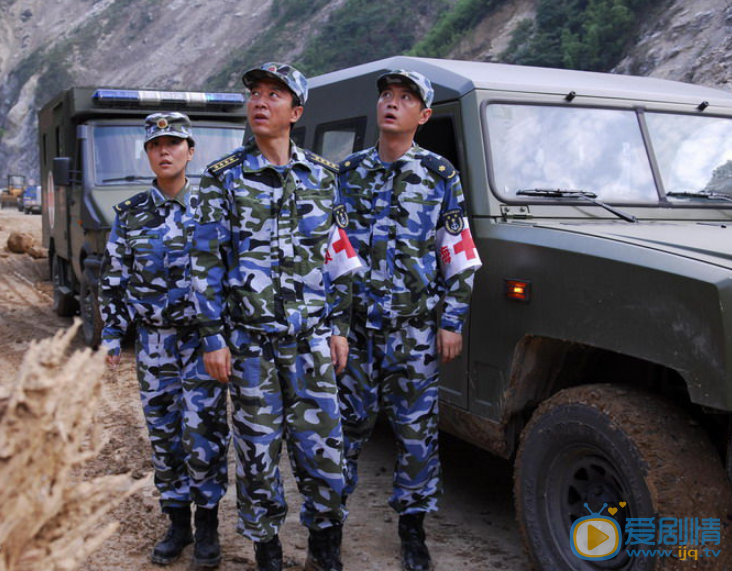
<point>340,216</point>
<point>454,221</point>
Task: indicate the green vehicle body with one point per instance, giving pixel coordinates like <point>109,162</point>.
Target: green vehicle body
<point>608,303</point>
<point>87,131</point>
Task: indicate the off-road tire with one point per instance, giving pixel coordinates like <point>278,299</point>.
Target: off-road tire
<point>606,444</point>
<point>91,320</point>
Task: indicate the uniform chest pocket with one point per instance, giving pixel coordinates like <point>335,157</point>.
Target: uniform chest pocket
<point>314,208</point>
<point>251,210</point>
<point>418,197</point>
<point>145,242</point>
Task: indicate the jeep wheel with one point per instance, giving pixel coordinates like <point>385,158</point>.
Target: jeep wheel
<point>604,444</point>
<point>64,304</point>
<point>91,320</point>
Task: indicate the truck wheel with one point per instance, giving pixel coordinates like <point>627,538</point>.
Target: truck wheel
<point>91,319</point>
<point>602,444</point>
<point>64,304</point>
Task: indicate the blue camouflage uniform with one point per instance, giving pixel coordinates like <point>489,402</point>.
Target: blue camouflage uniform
<point>394,213</point>
<point>146,281</point>
<point>258,273</point>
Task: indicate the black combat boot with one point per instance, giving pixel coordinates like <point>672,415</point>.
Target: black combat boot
<point>206,551</point>
<point>324,549</point>
<point>176,538</point>
<point>268,554</point>
<point>415,555</point>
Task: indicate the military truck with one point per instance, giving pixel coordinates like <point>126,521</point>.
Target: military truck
<point>10,195</point>
<point>92,157</point>
<point>598,352</point>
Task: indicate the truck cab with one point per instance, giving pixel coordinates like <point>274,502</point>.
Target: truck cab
<point>598,352</point>
<point>92,158</point>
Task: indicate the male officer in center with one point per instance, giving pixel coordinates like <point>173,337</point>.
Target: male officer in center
<point>407,222</point>
<point>276,318</point>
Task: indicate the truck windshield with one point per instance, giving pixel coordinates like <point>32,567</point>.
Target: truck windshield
<point>598,150</point>
<point>119,156</point>
<point>694,154</point>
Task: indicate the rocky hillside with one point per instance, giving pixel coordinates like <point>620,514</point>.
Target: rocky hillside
<point>196,44</point>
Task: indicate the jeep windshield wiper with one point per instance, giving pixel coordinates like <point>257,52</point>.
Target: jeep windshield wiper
<point>128,178</point>
<point>707,194</point>
<point>580,194</point>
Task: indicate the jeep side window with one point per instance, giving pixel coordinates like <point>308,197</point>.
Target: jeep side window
<point>335,141</point>
<point>694,152</point>
<point>551,147</point>
<point>438,136</point>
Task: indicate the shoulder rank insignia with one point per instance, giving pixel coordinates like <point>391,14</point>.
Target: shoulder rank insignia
<point>340,216</point>
<point>453,221</point>
<point>311,156</point>
<point>352,162</point>
<point>226,163</point>
<point>439,166</point>
<point>136,200</point>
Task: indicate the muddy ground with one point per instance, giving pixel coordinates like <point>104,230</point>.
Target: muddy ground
<point>475,529</point>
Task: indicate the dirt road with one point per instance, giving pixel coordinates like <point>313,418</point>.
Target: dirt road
<point>475,530</point>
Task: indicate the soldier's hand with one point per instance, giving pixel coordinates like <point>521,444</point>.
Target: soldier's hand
<point>449,344</point>
<point>113,360</point>
<point>338,353</point>
<point>218,364</point>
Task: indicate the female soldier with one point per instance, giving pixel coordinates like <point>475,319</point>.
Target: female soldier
<point>146,280</point>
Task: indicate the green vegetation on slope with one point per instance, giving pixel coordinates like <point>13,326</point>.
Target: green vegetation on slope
<point>287,16</point>
<point>361,31</point>
<point>355,32</point>
<point>453,26</point>
<point>576,34</point>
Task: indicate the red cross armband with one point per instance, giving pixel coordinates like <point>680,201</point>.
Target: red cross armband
<point>340,257</point>
<point>456,251</point>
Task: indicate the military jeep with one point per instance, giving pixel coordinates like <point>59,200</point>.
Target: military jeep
<point>598,353</point>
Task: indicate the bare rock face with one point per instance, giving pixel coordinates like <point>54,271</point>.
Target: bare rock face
<point>685,41</point>
<point>20,242</point>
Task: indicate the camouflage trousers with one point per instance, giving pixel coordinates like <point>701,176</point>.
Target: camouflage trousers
<point>285,387</point>
<point>185,413</point>
<point>395,370</point>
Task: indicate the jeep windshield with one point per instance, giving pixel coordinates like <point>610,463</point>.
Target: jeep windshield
<point>119,155</point>
<point>694,156</point>
<point>600,151</point>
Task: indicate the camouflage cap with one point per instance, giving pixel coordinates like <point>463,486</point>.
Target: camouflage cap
<point>171,123</point>
<point>413,79</point>
<point>282,72</point>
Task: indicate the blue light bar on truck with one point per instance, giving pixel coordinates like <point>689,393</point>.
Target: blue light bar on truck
<point>185,98</point>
